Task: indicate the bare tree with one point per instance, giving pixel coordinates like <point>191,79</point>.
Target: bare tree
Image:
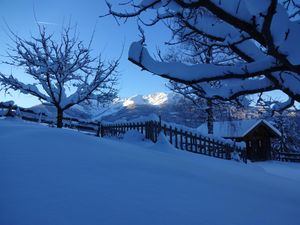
<point>64,72</point>
<point>193,92</point>
<point>194,50</point>
<point>264,34</point>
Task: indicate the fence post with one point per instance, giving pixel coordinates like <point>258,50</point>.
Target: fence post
<point>213,148</point>
<point>227,149</point>
<point>155,130</point>
<point>181,139</point>
<point>40,118</point>
<point>149,130</point>
<point>99,130</point>
<point>209,146</point>
<point>196,143</point>
<point>159,124</point>
<point>176,137</point>
<point>191,142</point>
<point>171,135</point>
<point>102,130</point>
<point>152,137</point>
<point>186,140</point>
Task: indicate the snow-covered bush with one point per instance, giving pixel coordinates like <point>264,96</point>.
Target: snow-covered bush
<point>235,156</point>
<point>6,108</point>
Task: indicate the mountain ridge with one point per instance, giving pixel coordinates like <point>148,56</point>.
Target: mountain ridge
<point>171,107</point>
<point>97,111</point>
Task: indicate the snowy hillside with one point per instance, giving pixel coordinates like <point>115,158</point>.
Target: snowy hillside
<point>53,176</point>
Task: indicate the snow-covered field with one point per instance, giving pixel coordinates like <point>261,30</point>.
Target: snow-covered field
<point>62,177</point>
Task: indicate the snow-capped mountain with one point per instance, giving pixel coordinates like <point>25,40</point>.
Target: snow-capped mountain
<point>159,98</point>
<point>170,106</point>
<point>98,111</point>
<point>138,105</point>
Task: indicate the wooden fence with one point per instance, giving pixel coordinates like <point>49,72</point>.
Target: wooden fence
<point>179,138</point>
<point>286,156</point>
<point>30,115</point>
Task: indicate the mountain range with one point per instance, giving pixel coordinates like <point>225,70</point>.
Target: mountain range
<point>175,108</point>
<point>170,106</point>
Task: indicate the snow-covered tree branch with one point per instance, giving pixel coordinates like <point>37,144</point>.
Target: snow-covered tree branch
<point>192,52</point>
<point>65,72</point>
<point>263,34</point>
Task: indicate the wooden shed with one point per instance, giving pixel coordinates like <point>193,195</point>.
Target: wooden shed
<point>257,135</point>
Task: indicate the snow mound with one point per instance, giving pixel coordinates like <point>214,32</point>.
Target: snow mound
<point>163,145</point>
<point>133,136</point>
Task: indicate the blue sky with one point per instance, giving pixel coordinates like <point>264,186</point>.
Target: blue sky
<point>109,38</point>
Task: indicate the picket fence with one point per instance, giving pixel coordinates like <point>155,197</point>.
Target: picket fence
<point>179,138</point>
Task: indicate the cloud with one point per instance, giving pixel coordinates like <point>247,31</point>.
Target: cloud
<point>47,23</point>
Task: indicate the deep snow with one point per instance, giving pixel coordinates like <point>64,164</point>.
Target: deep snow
<point>62,177</point>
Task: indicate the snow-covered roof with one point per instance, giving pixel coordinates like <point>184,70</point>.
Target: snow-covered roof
<point>238,128</point>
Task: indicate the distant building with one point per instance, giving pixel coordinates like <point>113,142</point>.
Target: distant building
<point>257,135</point>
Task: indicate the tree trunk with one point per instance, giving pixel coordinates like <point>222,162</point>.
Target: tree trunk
<point>209,109</point>
<point>59,118</point>
<point>210,117</point>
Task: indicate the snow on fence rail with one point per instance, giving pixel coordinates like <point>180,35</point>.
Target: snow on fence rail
<point>179,138</point>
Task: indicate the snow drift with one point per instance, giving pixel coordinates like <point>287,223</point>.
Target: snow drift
<point>54,176</point>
